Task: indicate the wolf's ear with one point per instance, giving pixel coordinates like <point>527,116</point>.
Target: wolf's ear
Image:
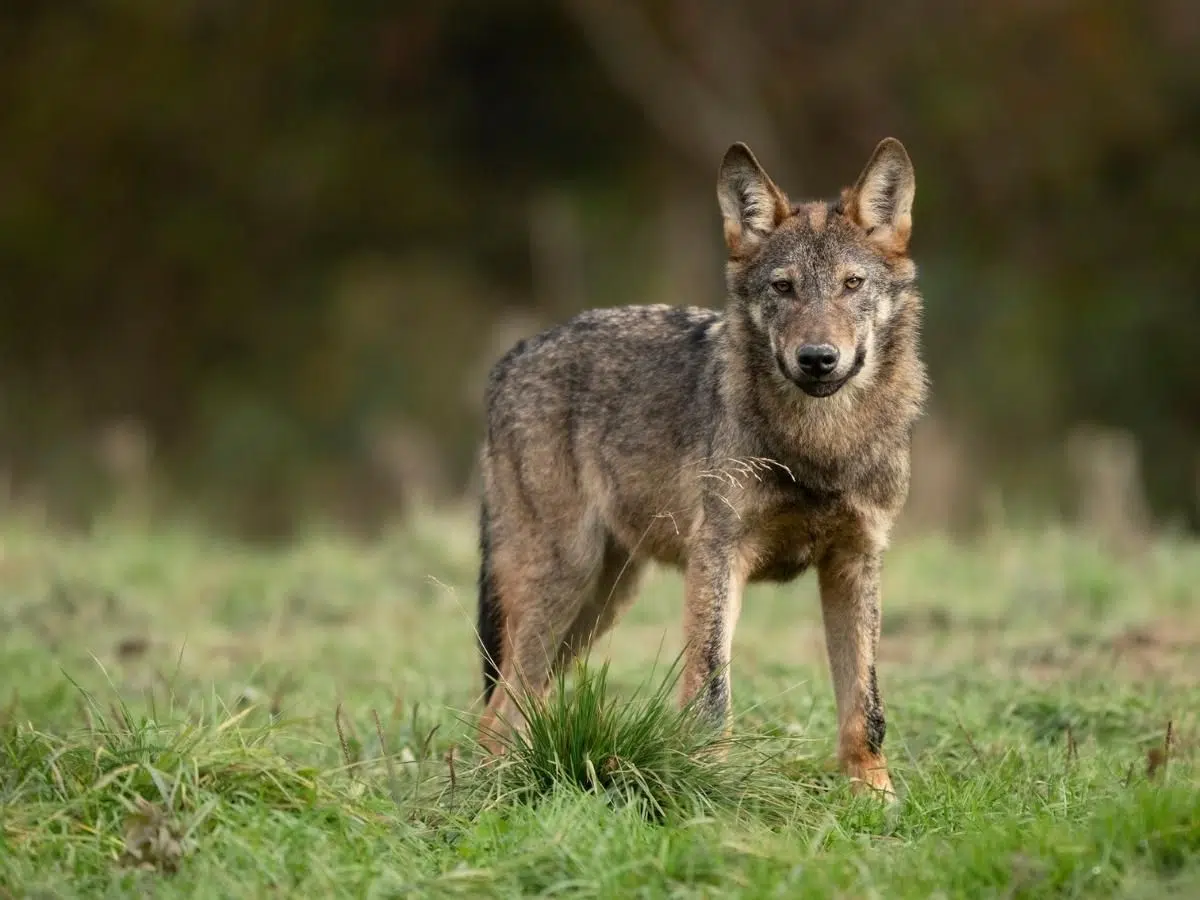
<point>881,200</point>
<point>751,204</point>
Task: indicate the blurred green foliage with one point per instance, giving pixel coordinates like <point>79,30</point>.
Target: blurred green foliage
<point>280,239</point>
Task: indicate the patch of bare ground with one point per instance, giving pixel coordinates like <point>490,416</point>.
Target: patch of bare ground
<point>1163,650</point>
<point>1162,647</point>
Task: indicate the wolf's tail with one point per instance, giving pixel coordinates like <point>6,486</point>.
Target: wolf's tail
<point>491,616</point>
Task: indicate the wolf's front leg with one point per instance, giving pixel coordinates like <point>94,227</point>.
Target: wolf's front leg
<point>850,604</point>
<point>713,585</point>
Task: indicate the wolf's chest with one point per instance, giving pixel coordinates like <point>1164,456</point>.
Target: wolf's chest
<point>778,545</point>
<point>784,564</point>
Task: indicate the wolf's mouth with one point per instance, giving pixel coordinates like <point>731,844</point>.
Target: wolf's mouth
<point>816,387</point>
<point>821,388</point>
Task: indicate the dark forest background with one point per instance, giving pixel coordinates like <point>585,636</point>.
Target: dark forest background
<point>255,259</point>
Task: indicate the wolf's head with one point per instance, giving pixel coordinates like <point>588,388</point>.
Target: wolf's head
<point>816,285</point>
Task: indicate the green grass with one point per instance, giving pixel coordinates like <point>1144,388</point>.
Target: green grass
<point>183,717</point>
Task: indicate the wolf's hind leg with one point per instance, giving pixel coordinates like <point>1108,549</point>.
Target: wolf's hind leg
<point>544,584</point>
<point>612,593</point>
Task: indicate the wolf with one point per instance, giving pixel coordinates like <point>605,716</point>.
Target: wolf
<point>739,445</point>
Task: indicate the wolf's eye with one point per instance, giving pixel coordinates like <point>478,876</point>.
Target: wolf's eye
<point>853,283</point>
<point>782,286</point>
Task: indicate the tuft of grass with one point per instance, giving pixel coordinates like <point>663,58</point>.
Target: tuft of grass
<point>641,751</point>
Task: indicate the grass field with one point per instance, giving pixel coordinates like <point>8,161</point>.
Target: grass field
<point>182,717</point>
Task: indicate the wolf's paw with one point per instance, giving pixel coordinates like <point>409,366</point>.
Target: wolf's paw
<point>873,780</point>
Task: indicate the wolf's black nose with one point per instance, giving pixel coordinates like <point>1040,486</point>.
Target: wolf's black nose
<point>817,360</point>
